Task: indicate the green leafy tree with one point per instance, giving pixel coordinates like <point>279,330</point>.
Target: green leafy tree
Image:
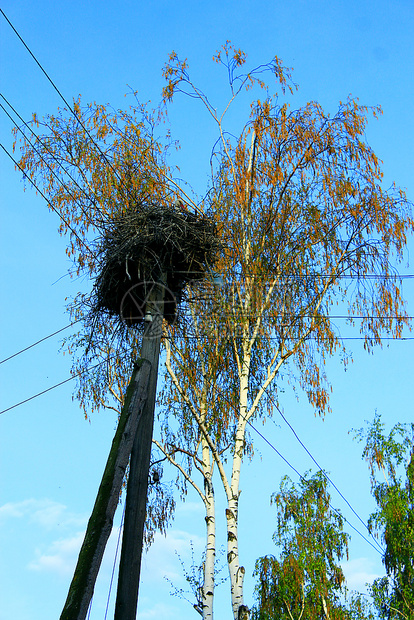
<point>392,458</point>
<point>306,580</point>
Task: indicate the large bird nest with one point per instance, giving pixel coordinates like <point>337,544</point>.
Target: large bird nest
<point>144,245</point>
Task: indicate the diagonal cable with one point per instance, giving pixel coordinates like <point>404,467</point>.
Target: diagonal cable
<point>304,480</point>
<point>6,359</point>
<point>77,374</point>
<point>60,94</point>
<point>49,168</point>
<point>51,154</point>
<point>16,163</point>
<point>320,467</point>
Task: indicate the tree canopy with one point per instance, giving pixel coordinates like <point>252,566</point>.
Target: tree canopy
<point>306,580</point>
<point>392,458</point>
<point>305,227</point>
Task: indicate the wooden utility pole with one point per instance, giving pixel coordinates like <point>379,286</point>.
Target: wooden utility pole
<point>136,499</point>
<point>100,522</point>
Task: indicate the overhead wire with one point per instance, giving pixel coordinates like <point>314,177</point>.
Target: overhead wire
<point>77,118</point>
<point>49,168</point>
<point>59,214</point>
<point>71,109</point>
<point>114,563</point>
<point>47,200</point>
<point>377,548</point>
<point>26,400</point>
<point>328,478</point>
<point>314,338</point>
<point>52,155</point>
<point>356,338</point>
<point>306,276</point>
<point>6,359</point>
<point>49,389</point>
<point>304,480</point>
<point>290,315</point>
<point>60,94</point>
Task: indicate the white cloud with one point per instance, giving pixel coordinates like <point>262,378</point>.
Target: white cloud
<point>162,560</point>
<point>359,572</point>
<point>44,512</point>
<point>13,510</point>
<point>49,514</point>
<point>60,557</point>
<point>41,518</point>
<point>179,540</point>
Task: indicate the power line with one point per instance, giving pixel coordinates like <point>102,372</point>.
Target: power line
<point>47,200</point>
<point>22,402</point>
<point>60,94</point>
<point>78,374</point>
<point>321,468</point>
<point>71,109</point>
<point>293,315</point>
<point>314,338</point>
<point>114,564</point>
<point>304,480</point>
<point>34,57</point>
<point>6,359</point>
<point>308,276</point>
<point>49,168</point>
<point>187,337</point>
<point>50,153</point>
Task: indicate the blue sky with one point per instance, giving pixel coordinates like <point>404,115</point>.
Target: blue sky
<point>51,458</point>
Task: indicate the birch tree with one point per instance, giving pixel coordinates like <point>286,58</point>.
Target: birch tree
<point>305,227</point>
<point>390,460</point>
<point>306,579</point>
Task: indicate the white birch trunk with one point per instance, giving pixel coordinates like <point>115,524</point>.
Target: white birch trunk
<point>209,567</point>
<point>235,570</point>
<point>232,511</point>
<point>325,608</point>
